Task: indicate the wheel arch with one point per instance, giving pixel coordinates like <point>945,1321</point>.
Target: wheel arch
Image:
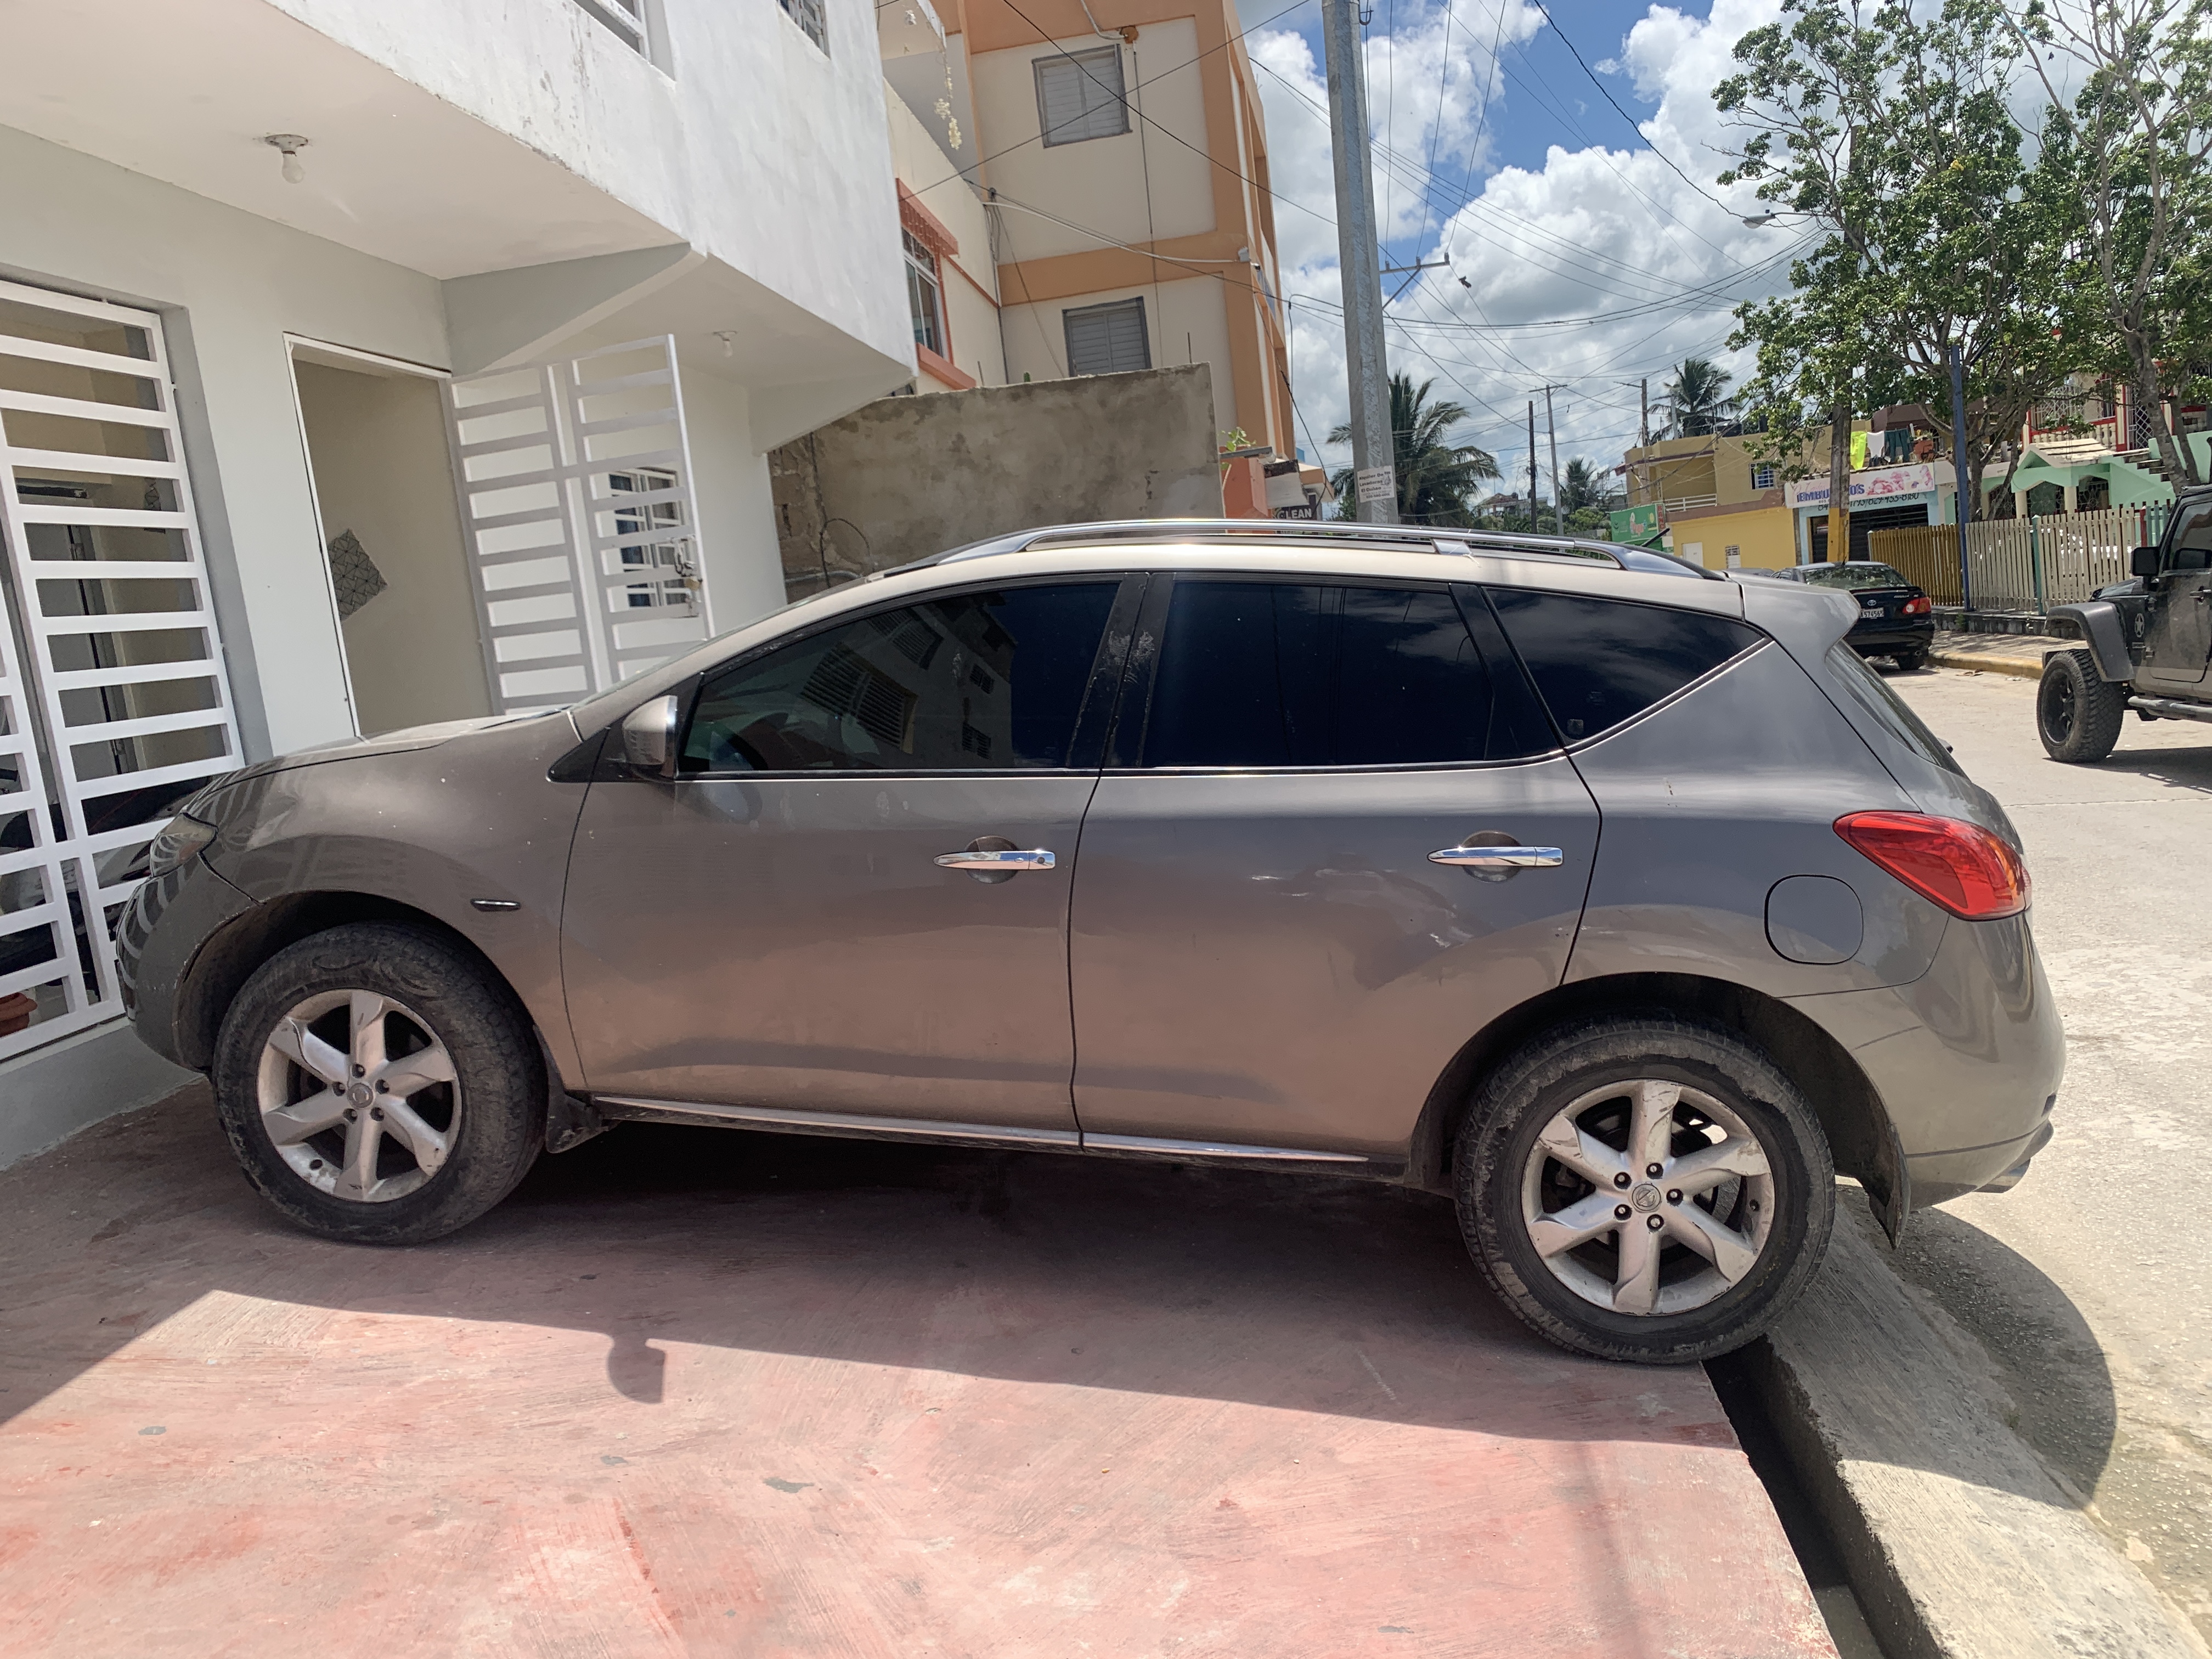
<point>2105,635</point>
<point>1849,1109</point>
<point>226,960</point>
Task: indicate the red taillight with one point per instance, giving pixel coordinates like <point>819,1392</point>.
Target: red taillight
<point>1919,607</point>
<point>1961,867</point>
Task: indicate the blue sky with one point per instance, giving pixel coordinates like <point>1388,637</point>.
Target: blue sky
<point>1594,248</point>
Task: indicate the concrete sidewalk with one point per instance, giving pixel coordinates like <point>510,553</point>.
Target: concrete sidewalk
<point>706,1393</point>
<point>2018,655</point>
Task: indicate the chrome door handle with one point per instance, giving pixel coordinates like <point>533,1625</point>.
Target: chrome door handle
<point>1499,857</point>
<point>1007,861</point>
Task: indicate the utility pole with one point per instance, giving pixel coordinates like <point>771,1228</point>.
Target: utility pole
<point>1964,507</point>
<point>1532,466</point>
<point>1558,501</point>
<point>1644,420</point>
<point>1359,261</point>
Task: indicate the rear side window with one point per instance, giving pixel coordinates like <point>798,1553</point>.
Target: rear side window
<point>1600,662</point>
<point>979,681</point>
<point>1887,710</point>
<point>1273,674</point>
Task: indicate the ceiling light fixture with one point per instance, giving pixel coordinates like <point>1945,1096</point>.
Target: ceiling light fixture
<point>291,143</point>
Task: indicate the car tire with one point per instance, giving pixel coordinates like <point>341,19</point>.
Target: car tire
<point>2078,711</point>
<point>1511,1191</point>
<point>1912,661</point>
<point>461,1114</point>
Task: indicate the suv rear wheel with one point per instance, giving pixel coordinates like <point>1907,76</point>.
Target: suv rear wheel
<point>377,1087</point>
<point>2078,711</point>
<point>1644,1189</point>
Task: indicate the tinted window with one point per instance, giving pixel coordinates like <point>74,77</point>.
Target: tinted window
<point>1872,694</point>
<point>2190,547</point>
<point>1853,575</point>
<point>980,680</point>
<point>1599,662</point>
<point>1255,674</point>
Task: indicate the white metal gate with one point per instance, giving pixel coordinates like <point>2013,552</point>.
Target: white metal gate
<point>113,701</point>
<point>575,488</point>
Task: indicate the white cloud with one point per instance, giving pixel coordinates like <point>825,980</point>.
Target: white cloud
<point>1609,232</point>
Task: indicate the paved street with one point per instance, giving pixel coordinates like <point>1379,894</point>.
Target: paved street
<point>2086,1287</point>
<point>693,1391</point>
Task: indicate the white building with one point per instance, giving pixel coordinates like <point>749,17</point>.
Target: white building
<point>454,400</point>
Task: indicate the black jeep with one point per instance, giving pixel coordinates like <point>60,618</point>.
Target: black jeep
<point>2148,641</point>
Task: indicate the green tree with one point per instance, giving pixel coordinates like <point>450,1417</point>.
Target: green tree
<point>1697,402</point>
<point>1582,488</point>
<point>2132,150</point>
<point>1436,479</point>
<point>1888,128</point>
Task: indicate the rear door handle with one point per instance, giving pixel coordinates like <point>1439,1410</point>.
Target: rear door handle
<point>1011,859</point>
<point>1498,858</point>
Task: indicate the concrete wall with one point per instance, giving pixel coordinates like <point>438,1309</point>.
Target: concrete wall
<point>377,445</point>
<point>1766,538</point>
<point>905,477</point>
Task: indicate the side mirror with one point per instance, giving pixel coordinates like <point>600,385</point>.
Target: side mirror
<point>2143,562</point>
<point>648,735</point>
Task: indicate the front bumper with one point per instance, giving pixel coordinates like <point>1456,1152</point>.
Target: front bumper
<point>1967,1059</point>
<point>162,931</point>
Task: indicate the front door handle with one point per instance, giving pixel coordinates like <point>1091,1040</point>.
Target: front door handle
<point>992,860</point>
<point>1499,857</point>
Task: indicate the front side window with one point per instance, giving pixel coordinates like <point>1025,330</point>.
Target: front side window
<point>988,681</point>
<point>1107,339</point>
<point>1257,674</point>
<point>925,295</point>
<point>1079,95</point>
<point>1600,662</point>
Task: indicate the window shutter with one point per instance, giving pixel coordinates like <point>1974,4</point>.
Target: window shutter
<point>1107,339</point>
<point>1080,96</point>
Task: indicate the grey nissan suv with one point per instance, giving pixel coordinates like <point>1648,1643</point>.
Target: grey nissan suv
<point>1623,908</point>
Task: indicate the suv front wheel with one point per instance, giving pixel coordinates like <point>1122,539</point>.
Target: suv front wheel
<point>1644,1189</point>
<point>2078,711</point>
<point>378,1086</point>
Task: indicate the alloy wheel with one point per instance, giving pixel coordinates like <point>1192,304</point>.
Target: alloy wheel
<point>2059,709</point>
<point>358,1096</point>
<point>1648,1197</point>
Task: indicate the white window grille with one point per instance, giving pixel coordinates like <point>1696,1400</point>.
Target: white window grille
<point>625,19</point>
<point>1107,339</point>
<point>810,19</point>
<point>575,481</point>
<point>1079,95</point>
<point>1762,477</point>
<point>113,701</point>
<point>925,295</point>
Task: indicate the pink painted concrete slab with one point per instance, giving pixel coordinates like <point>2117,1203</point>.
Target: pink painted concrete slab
<point>692,1392</point>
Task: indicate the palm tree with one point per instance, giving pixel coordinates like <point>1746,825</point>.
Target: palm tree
<point>1697,404</point>
<point>1581,487</point>
<point>1435,478</point>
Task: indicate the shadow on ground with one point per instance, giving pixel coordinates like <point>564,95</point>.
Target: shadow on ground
<point>1348,1298</point>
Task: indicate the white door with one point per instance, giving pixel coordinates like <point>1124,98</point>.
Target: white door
<point>113,701</point>
<point>575,486</point>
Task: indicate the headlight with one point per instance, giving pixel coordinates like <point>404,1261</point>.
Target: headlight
<point>180,839</point>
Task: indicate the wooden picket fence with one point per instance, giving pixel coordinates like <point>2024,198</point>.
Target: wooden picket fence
<point>2021,565</point>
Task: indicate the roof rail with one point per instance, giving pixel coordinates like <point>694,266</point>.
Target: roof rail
<point>1436,538</point>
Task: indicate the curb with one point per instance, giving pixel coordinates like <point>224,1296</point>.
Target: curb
<point>1956,1540</point>
<point>2016,667</point>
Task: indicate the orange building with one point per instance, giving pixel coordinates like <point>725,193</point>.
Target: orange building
<point>1119,159</point>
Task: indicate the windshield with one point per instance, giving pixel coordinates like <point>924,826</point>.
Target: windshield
<point>1853,575</point>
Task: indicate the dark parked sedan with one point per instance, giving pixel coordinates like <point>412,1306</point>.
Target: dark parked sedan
<point>1895,617</point>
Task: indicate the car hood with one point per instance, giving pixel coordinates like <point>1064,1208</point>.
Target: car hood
<point>384,742</point>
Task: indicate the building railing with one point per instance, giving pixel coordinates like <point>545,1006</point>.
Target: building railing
<point>2022,567</point>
